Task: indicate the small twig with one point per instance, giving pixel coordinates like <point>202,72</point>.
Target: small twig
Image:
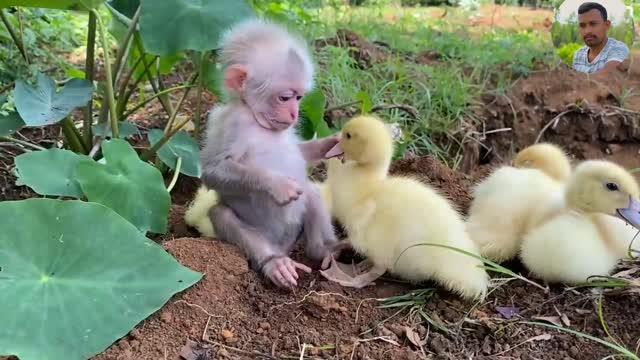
<point>21,142</point>
<point>206,327</point>
<point>304,298</point>
<point>553,123</point>
<point>199,307</point>
<point>14,36</point>
<point>7,87</point>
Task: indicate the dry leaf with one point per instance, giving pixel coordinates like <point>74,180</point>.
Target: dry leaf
<point>414,337</point>
<point>583,311</point>
<point>565,320</point>
<point>540,337</point>
<point>191,351</point>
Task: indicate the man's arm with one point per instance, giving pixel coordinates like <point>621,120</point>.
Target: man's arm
<point>617,59</point>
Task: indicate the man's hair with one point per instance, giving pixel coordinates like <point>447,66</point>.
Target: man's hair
<point>588,6</point>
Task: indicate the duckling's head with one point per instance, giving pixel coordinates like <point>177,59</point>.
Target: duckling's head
<point>365,140</point>
<point>605,187</point>
<point>547,157</point>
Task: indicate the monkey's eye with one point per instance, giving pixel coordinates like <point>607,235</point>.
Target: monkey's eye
<point>284,98</point>
<point>298,97</point>
<point>612,187</point>
<point>348,136</point>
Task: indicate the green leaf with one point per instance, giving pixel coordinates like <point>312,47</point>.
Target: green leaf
<point>73,72</point>
<point>212,77</point>
<point>365,101</point>
<point>125,129</point>
<point>124,7</point>
<point>170,26</point>
<point>131,187</point>
<point>75,277</point>
<point>50,172</point>
<point>42,105</point>
<point>54,4</point>
<point>10,123</point>
<point>180,145</point>
<point>312,115</point>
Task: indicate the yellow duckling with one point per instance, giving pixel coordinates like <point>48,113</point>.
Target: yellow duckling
<point>514,198</point>
<point>197,214</point>
<point>384,216</point>
<point>592,233</point>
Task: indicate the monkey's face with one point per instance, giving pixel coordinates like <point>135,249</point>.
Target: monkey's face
<point>278,110</point>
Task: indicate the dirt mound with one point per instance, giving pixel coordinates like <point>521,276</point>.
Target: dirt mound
<point>593,116</point>
<point>429,170</point>
<point>362,51</point>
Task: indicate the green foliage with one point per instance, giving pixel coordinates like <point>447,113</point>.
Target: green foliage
<point>181,146</point>
<point>50,172</point>
<point>52,4</point>
<point>131,187</point>
<point>43,105</point>
<point>10,121</point>
<point>75,277</point>
<point>125,128</point>
<point>567,51</point>
<point>312,121</point>
<point>170,26</point>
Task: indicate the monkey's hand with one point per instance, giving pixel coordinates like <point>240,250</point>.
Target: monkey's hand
<point>316,150</point>
<point>284,190</point>
<point>282,271</point>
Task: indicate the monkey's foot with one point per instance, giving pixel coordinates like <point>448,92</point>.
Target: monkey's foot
<point>344,275</point>
<point>282,271</point>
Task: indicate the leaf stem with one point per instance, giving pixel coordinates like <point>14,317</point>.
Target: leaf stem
<point>176,174</point>
<point>191,81</point>
<point>163,140</point>
<point>142,104</point>
<point>22,142</point>
<point>125,42</point>
<point>73,136</point>
<point>165,102</point>
<point>88,70</point>
<point>14,36</point>
<point>107,68</point>
<point>122,90</point>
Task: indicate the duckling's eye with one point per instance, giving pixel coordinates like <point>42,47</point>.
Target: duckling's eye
<point>612,187</point>
<point>348,136</point>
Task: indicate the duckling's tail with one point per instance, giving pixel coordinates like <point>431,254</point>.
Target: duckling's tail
<point>197,215</point>
<point>462,273</point>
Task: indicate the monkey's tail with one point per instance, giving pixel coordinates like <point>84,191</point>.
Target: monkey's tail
<point>197,215</point>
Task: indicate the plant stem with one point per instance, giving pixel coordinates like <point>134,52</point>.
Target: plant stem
<point>14,36</point>
<point>125,42</point>
<point>179,105</point>
<point>165,102</point>
<point>176,173</point>
<point>22,142</point>
<point>122,90</point>
<point>73,136</point>
<point>151,98</point>
<point>107,68</point>
<point>88,70</point>
<point>163,140</point>
<point>198,114</point>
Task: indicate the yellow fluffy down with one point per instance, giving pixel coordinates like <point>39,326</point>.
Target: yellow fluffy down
<point>405,212</point>
<point>508,203</point>
<point>197,215</point>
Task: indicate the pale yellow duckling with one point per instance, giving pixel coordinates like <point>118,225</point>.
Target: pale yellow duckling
<point>514,198</point>
<point>592,233</point>
<point>197,214</point>
<point>384,216</point>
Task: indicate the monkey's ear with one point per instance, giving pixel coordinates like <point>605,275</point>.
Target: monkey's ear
<point>235,76</point>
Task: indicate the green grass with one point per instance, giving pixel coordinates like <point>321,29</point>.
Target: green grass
<point>443,93</point>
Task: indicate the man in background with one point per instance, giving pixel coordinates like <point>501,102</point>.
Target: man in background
<point>601,53</point>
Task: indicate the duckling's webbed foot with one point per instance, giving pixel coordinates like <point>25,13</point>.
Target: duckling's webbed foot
<point>344,275</point>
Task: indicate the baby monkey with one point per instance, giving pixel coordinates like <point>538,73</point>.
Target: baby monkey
<point>254,159</point>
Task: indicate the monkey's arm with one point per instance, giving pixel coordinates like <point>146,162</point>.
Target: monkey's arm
<point>315,150</point>
<point>229,175</point>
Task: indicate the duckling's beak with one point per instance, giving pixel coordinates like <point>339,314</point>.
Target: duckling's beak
<point>631,214</point>
<point>334,151</point>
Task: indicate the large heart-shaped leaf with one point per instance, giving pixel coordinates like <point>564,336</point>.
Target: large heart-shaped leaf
<point>312,116</point>
<point>42,105</point>
<point>180,145</point>
<point>128,185</point>
<point>170,26</point>
<point>10,123</point>
<point>54,4</point>
<point>75,277</point>
<point>50,172</point>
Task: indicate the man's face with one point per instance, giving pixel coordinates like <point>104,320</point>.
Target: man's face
<point>593,28</point>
